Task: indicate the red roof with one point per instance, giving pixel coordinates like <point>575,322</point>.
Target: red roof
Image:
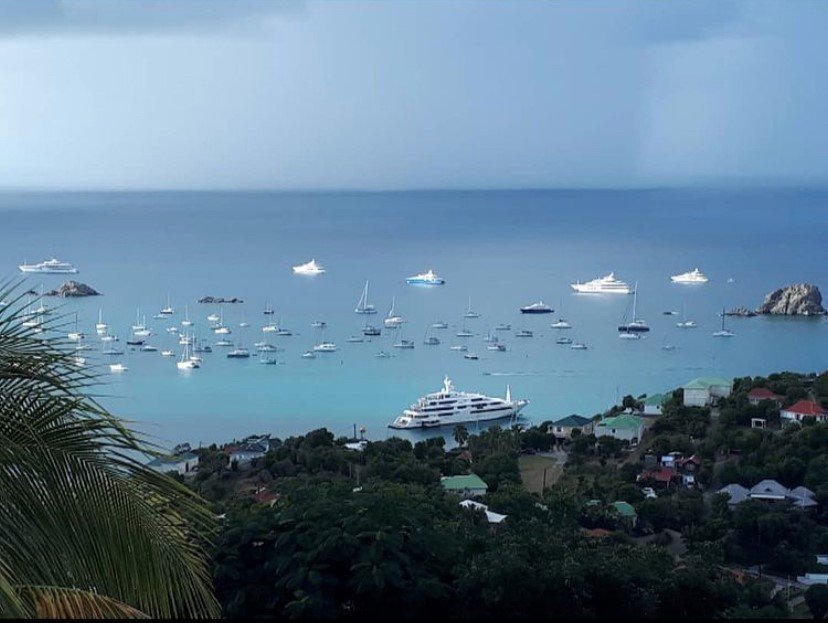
<point>596,533</point>
<point>762,393</point>
<point>664,474</point>
<point>805,407</point>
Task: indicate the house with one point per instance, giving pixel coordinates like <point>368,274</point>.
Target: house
<point>491,517</point>
<point>802,409</point>
<point>250,449</point>
<point>624,426</point>
<point>758,394</point>
<point>626,511</point>
<point>595,533</point>
<point>181,460</point>
<point>770,491</point>
<point>705,391</point>
<point>736,494</point>
<point>468,485</point>
<point>813,578</point>
<point>562,429</point>
<point>663,475</point>
<point>653,404</point>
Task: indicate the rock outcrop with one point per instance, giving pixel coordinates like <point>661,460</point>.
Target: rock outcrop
<point>800,299</point>
<point>219,299</point>
<point>73,289</point>
<point>741,312</point>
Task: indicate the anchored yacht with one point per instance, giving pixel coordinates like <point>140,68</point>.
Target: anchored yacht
<point>363,306</point>
<point>603,285</point>
<point>450,406</point>
<point>53,267</point>
<point>393,320</point>
<point>536,308</point>
<point>429,278</point>
<point>310,268</point>
<point>694,276</point>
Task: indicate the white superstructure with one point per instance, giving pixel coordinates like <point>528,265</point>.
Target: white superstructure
<point>53,266</point>
<point>603,285</point>
<point>450,406</point>
<point>309,268</point>
<point>694,276</point>
<point>428,278</point>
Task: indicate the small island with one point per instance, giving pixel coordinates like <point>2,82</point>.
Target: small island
<point>800,299</point>
<point>219,299</point>
<point>73,289</point>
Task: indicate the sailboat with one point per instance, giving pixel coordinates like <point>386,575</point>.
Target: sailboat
<point>636,325</point>
<point>187,362</point>
<point>685,324</point>
<point>430,340</point>
<point>464,332</point>
<point>392,320</point>
<point>723,332</point>
<point>363,306</point>
<point>268,310</point>
<point>75,335</point>
<point>186,322</point>
<point>101,326</point>
<point>143,330</point>
<point>43,309</point>
<point>138,324</point>
<point>469,313</point>
<point>220,329</point>
<point>168,310</point>
<point>561,323</point>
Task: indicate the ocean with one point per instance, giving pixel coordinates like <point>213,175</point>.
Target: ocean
<point>501,249</point>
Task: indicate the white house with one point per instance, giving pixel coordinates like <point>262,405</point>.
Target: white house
<point>250,449</point>
<point>704,391</point>
<point>624,426</point>
<point>653,404</point>
<point>802,409</point>
<point>182,461</point>
<point>491,517</point>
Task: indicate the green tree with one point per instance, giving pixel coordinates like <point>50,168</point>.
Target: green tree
<point>817,599</point>
<point>461,434</point>
<point>87,529</point>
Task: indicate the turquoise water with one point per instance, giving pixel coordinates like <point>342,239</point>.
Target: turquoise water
<point>502,249</point>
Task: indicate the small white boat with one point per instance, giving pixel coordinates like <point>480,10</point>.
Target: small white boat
<point>222,330</point>
<point>101,326</point>
<point>309,355</point>
<point>187,362</point>
<point>238,353</point>
<point>404,344</point>
<point>693,276</point>
<point>117,367</point>
<point>270,328</point>
<point>439,325</point>
<point>79,361</point>
<point>363,306</point>
<point>383,355</point>
<point>319,324</point>
<point>498,347</point>
<point>685,324</point>
<point>563,340</point>
<point>524,333</point>
<point>75,336</point>
<point>224,342</point>
<point>503,326</point>
<point>470,313</point>
<point>431,341</point>
<point>464,333</point>
<point>185,340</point>
<point>471,356</point>
<point>628,335</point>
<point>148,348</point>
<point>109,338</point>
<point>213,318</point>
<point>167,353</point>
<point>355,339</point>
<point>284,333</point>
<point>268,310</point>
<point>668,347</point>
<point>561,324</point>
<point>428,278</point>
<point>459,347</point>
<point>578,346</point>
<point>267,348</point>
<point>309,268</point>
<point>325,347</point>
<point>138,326</point>
<point>172,329</point>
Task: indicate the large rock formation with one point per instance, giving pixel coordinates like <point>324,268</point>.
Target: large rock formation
<point>800,299</point>
<point>73,289</point>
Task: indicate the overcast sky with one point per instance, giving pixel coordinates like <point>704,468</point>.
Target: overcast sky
<point>294,94</point>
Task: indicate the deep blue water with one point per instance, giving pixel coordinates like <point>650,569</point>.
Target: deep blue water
<point>502,249</point>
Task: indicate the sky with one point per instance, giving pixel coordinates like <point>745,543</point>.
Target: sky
<point>411,94</point>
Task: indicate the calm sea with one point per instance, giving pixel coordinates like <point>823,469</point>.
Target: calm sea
<point>502,250</point>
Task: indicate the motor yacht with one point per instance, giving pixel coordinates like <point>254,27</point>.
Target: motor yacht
<point>52,266</point>
<point>694,276</point>
<point>561,324</point>
<point>325,347</point>
<point>238,353</point>
<point>309,268</point>
<point>449,407</point>
<point>602,285</point>
<point>536,308</point>
<point>428,278</point>
<point>524,333</point>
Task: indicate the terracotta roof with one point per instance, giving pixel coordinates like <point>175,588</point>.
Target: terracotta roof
<point>596,533</point>
<point>662,475</point>
<point>805,407</point>
<point>762,393</point>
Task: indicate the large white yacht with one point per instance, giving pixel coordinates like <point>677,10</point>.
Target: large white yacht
<point>603,285</point>
<point>53,266</point>
<point>428,278</point>
<point>694,276</point>
<point>309,268</point>
<point>449,406</point>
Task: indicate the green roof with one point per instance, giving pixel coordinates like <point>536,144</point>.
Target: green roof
<point>460,483</point>
<point>655,399</point>
<point>707,383</point>
<point>624,509</point>
<point>625,420</point>
<point>573,421</point>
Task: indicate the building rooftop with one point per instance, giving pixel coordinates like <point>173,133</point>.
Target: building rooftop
<point>657,400</point>
<point>491,516</point>
<point>625,509</point>
<point>736,492</point>
<point>762,393</point>
<point>573,421</point>
<point>625,420</point>
<point>805,407</point>
<point>460,483</point>
<point>707,382</point>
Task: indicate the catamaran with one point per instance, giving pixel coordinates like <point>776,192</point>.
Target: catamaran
<point>187,362</point>
<point>684,323</point>
<point>168,310</point>
<point>186,322</point>
<point>469,313</point>
<point>363,306</point>
<point>101,326</point>
<point>723,332</point>
<point>636,325</point>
